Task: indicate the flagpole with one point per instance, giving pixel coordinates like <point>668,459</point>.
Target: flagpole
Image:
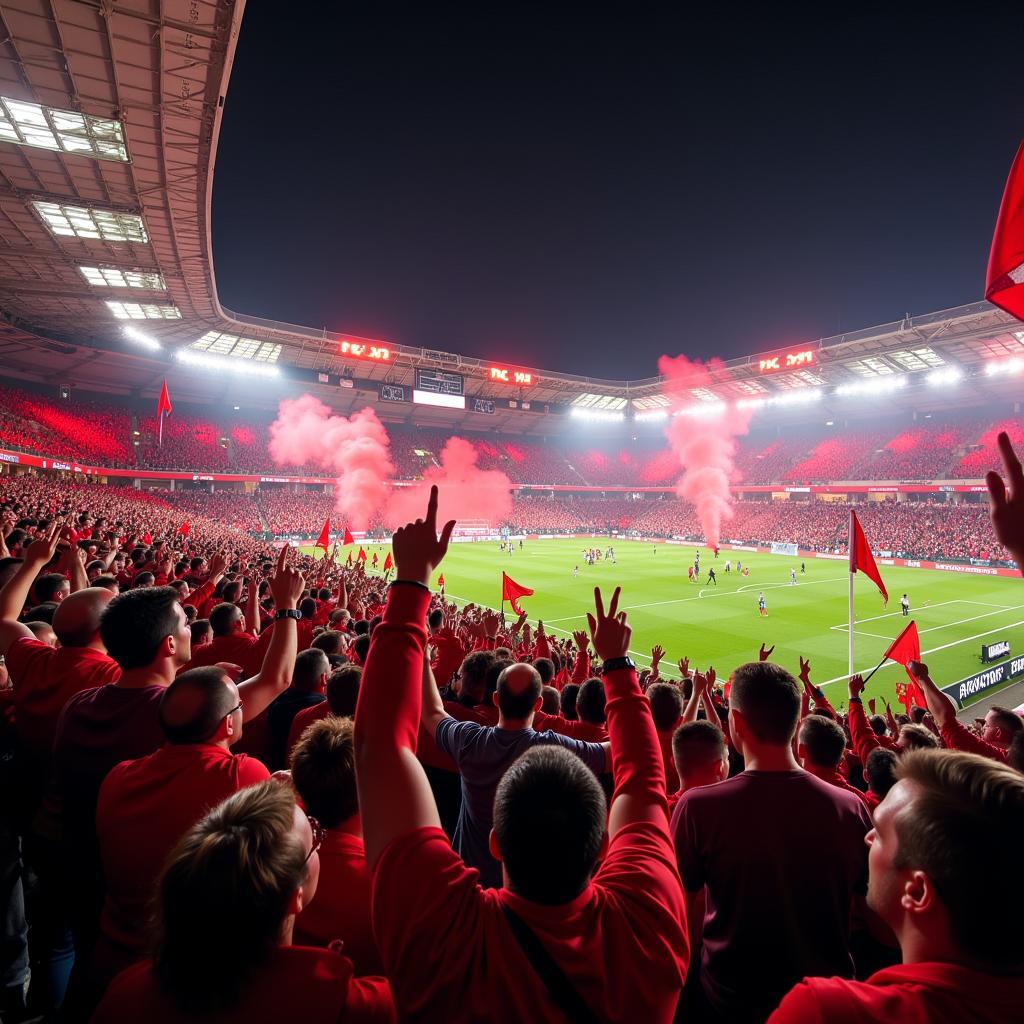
<point>161,440</point>
<point>849,653</point>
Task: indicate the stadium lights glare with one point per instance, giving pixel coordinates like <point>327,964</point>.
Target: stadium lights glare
<point>798,396</point>
<point>881,385</point>
<point>112,277</point>
<point>206,362</point>
<point>597,415</point>
<point>703,410</point>
<point>91,223</point>
<point>141,338</point>
<point>1004,367</point>
<point>751,403</point>
<point>651,416</point>
<point>65,131</point>
<point>943,378</point>
<point>143,311</point>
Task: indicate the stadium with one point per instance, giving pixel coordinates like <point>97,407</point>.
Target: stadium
<point>144,419</point>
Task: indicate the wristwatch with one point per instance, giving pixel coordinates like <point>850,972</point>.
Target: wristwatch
<point>288,613</point>
<point>616,663</point>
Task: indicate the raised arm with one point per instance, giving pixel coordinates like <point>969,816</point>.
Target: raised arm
<point>394,794</point>
<point>637,764</point>
<point>581,666</point>
<point>278,663</point>
<point>15,592</point>
<point>433,707</point>
<point>862,735</point>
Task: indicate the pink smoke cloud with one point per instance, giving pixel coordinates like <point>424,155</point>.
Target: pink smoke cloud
<point>356,449</point>
<point>464,491</point>
<point>704,443</point>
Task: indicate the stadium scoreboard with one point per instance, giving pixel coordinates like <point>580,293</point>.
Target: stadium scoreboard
<point>796,359</point>
<point>440,387</point>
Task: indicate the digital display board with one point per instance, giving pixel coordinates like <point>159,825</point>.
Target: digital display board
<point>365,350</point>
<point>440,382</point>
<point>393,393</point>
<point>795,360</point>
<point>506,375</point>
<point>483,405</point>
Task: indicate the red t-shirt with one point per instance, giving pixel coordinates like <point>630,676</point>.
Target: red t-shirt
<point>44,678</point>
<point>958,737</point>
<point>145,806</point>
<point>305,718</point>
<point>311,986</point>
<point>924,993</point>
<point>233,648</point>
<point>340,909</point>
<point>448,947</point>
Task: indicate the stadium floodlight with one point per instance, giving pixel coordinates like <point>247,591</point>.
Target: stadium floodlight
<point>752,403</point>
<point>944,378</point>
<point>244,366</point>
<point>142,311</point>
<point>651,416</point>
<point>90,223</point>
<point>217,343</point>
<point>141,338</point>
<point>881,385</point>
<point>798,396</point>
<point>114,277</point>
<point>1004,367</point>
<point>703,410</point>
<point>597,415</point>
<point>64,131</point>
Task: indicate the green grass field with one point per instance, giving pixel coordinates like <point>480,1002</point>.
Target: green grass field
<point>720,625</point>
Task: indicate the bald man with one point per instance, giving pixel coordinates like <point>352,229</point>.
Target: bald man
<point>145,806</point>
<point>484,753</point>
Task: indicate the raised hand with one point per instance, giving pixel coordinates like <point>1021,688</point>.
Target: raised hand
<point>581,638</point>
<point>765,653</point>
<point>519,623</point>
<point>711,677</point>
<point>856,686</point>
<point>418,549</point>
<point>805,672</point>
<point>609,633</point>
<point>684,666</point>
<point>1007,506</point>
<point>919,670</point>
<point>657,653</point>
<point>42,549</point>
<point>491,621</point>
<point>286,584</point>
<point>871,705</point>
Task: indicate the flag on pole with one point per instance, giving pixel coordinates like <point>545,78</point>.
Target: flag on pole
<point>906,648</point>
<point>1004,281</point>
<point>184,529</point>
<point>388,563</point>
<point>361,557</point>
<point>861,559</point>
<point>163,408</point>
<point>348,538</point>
<point>512,591</point>
<point>349,560</point>
<point>325,536</point>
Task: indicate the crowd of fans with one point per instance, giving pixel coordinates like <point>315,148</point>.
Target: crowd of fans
<point>243,784</point>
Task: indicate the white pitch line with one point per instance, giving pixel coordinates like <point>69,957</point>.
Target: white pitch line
<point>932,629</point>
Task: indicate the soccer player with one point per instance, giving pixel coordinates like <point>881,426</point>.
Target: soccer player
<point>728,565</point>
<point>739,565</point>
<point>792,577</point>
<point>576,571</point>
<point>761,608</point>
<point>803,568</point>
<point>905,605</point>
<point>712,578</point>
<point>689,572</point>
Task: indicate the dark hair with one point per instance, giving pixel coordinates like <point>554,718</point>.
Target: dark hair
<point>324,771</point>
<point>223,618</point>
<point>144,579</point>
<point>823,740</point>
<point>223,897</point>
<point>494,672</point>
<point>200,628</point>
<point>966,811</point>
<point>47,585</point>
<point>194,705</point>
<point>516,706</point>
<point>435,618</point>
<point>330,641</point>
<point>545,669</point>
<point>917,714</point>
<point>549,800</point>
<point>590,702</point>
<point>877,723</point>
<point>360,627</point>
<point>880,770</point>
<point>136,622</point>
<point>769,700</point>
<point>361,647</point>
<point>310,666</point>
<point>666,705</point>
<point>550,696</point>
<point>343,690</point>
<point>307,606</point>
<point>473,672</point>
<point>570,693</point>
<point>43,612</point>
<point>697,745</point>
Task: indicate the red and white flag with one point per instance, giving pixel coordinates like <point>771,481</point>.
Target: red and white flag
<point>1004,281</point>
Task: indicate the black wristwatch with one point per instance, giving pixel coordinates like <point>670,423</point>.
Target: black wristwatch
<point>288,613</point>
<point>856,700</point>
<point>612,664</point>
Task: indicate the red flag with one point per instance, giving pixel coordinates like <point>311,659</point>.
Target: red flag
<point>907,647</point>
<point>903,696</point>
<point>163,408</point>
<point>1004,282</point>
<point>387,562</point>
<point>184,529</point>
<point>440,581</point>
<point>348,538</point>
<point>325,536</point>
<point>361,557</point>
<point>512,591</point>
<point>147,538</point>
<point>861,559</point>
<point>349,560</point>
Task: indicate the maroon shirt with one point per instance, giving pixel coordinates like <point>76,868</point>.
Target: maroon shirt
<point>782,855</point>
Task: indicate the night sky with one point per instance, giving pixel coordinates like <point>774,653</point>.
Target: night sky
<point>580,192</point>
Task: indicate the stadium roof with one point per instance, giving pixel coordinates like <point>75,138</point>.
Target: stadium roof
<point>109,118</point>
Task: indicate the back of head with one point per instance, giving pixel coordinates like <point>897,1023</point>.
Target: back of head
<point>473,676</point>
<point>201,632</point>
<point>435,618</point>
<point>549,800</point>
<point>550,698</point>
<point>329,641</point>
<point>666,705</point>
<point>519,686</point>
<point>590,702</point>
<point>823,741</point>
<point>570,694</point>
<point>545,668</point>
<point>917,737</point>
<point>965,811</point>
<point>223,618</point>
<point>877,723</point>
<point>194,705</point>
<point>135,623</point>
<point>310,667</point>
<point>343,690</point>
<point>43,612</point>
<point>324,771</point>
<point>767,697</point>
<point>697,747</point>
<point>307,606</point>
<point>491,677</point>
<point>361,648</point>
<point>880,770</point>
<point>47,586</point>
<point>917,714</point>
<point>223,898</point>
<point>1009,722</point>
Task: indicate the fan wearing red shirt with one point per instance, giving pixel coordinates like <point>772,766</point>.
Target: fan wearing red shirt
<point>231,642</point>
<point>700,756</point>
<point>948,813</point>
<point>324,775</point>
<point>342,692</point>
<point>820,746</point>
<point>614,935</point>
<point>227,905</point>
<point>145,806</point>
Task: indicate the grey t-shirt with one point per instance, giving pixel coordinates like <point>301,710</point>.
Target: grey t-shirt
<point>483,755</point>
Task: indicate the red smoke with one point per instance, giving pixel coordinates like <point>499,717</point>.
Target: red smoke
<point>703,442</point>
<point>464,491</point>
<point>356,450</point>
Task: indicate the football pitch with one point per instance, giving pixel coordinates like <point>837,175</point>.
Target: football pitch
<point>720,625</point>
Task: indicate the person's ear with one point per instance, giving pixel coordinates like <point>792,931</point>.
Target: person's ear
<point>538,703</point>
<point>492,845</point>
<point>295,903</point>
<point>494,698</point>
<point>919,895</point>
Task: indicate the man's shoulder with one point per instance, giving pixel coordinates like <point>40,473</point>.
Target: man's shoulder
<point>28,650</point>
